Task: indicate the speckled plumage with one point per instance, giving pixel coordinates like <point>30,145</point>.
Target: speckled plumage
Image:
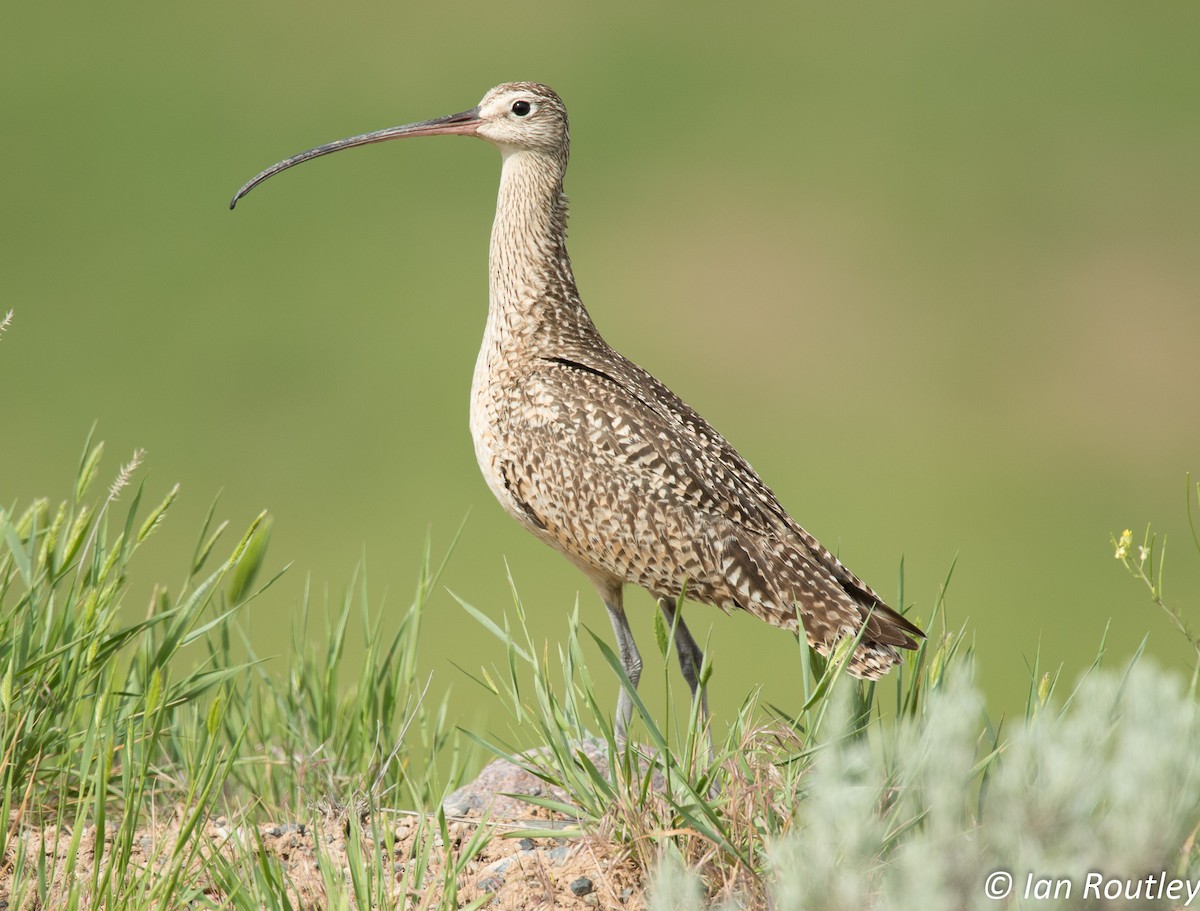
<point>599,459</point>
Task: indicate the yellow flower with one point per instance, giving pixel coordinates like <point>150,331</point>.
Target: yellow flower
<point>1123,544</point>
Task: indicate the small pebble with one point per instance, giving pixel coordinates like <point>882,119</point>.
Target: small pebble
<point>490,884</point>
<point>526,844</point>
<point>582,886</point>
<point>497,867</point>
<point>402,832</point>
<point>557,854</point>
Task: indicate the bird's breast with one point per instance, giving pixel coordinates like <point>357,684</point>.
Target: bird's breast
<point>495,400</point>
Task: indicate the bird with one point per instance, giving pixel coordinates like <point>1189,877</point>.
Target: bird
<point>600,460</point>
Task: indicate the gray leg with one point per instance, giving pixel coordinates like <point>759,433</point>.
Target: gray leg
<point>631,660</point>
<point>691,657</point>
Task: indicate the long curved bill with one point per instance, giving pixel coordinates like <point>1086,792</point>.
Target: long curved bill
<point>464,123</point>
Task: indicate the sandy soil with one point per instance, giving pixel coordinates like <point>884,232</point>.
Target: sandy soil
<point>578,872</point>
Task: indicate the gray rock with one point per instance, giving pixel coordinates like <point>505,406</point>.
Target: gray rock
<point>500,777</point>
<point>490,884</point>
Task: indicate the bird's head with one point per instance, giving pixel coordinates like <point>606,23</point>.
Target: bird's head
<point>524,116</point>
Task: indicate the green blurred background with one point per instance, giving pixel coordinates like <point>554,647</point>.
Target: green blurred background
<point>932,267</point>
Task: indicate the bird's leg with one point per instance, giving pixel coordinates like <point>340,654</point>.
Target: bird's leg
<point>631,660</point>
<point>691,661</point>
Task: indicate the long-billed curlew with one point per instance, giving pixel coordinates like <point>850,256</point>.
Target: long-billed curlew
<point>599,459</point>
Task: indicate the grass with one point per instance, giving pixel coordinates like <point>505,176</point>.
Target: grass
<point>112,729</point>
<point>160,763</point>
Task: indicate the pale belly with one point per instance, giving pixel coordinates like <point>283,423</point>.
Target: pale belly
<point>489,459</point>
<point>483,430</point>
<point>487,412</point>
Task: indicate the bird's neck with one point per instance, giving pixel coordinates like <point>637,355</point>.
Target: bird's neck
<point>531,286</point>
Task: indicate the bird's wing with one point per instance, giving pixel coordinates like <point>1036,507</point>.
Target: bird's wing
<point>622,471</point>
<point>720,478</point>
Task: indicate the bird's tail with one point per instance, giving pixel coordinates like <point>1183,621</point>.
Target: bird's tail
<point>794,587</point>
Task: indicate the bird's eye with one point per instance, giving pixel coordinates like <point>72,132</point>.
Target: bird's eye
<point>521,108</point>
